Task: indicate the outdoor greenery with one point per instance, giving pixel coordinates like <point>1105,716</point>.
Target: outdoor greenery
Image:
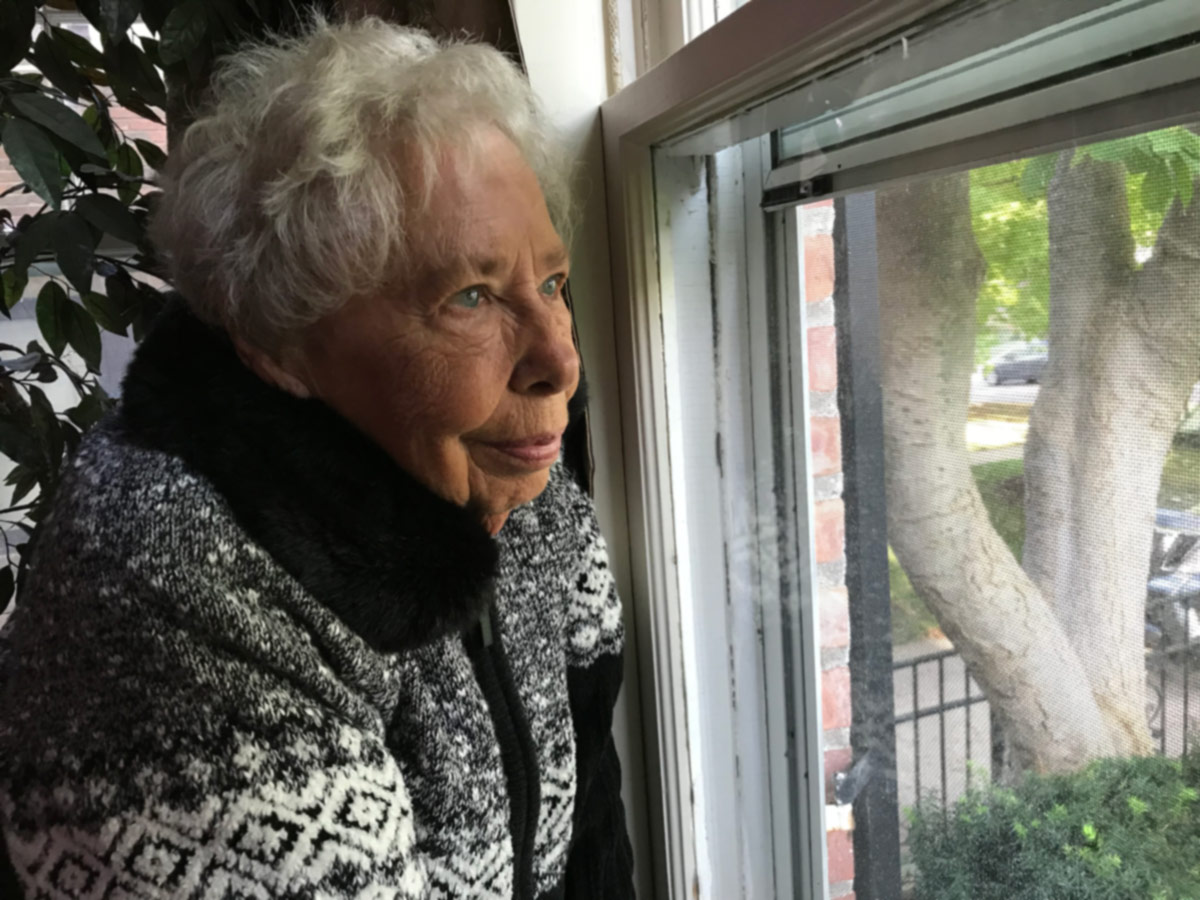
<point>1120,829</point>
<point>1009,218</point>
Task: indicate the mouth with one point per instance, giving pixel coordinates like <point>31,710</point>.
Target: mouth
<point>537,451</point>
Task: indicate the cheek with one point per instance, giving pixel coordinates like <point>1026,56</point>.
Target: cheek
<point>438,389</point>
<point>405,383</point>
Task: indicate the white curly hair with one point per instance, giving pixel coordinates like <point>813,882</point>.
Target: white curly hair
<point>293,190</point>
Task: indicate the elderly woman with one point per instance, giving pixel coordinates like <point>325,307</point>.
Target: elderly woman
<point>318,613</point>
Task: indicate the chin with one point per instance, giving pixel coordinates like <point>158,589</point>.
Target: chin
<point>519,491</point>
<point>531,487</point>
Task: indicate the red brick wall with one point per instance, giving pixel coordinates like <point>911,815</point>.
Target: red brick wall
<point>825,427</point>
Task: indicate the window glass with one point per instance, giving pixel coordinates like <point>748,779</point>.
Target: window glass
<point>1043,515</point>
<point>935,458</point>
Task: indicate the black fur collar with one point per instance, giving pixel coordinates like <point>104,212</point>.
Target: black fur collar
<point>398,564</point>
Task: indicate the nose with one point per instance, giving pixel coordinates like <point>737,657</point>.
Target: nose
<point>548,363</point>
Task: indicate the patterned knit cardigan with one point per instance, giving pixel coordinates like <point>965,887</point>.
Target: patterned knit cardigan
<point>254,659</point>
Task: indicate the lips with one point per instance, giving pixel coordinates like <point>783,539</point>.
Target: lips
<point>537,450</point>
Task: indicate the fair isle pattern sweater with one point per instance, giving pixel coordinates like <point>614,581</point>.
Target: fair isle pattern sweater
<point>254,660</point>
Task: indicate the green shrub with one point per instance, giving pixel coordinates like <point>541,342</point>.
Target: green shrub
<point>1121,829</point>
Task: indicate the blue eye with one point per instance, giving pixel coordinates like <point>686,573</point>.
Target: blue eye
<point>468,298</point>
<point>551,285</point>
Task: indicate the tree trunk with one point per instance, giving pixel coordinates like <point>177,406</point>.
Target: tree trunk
<point>1124,354</point>
<point>930,271</point>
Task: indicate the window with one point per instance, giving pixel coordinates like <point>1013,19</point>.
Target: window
<point>912,332</point>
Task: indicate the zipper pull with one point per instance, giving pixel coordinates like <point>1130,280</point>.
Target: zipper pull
<point>485,626</point>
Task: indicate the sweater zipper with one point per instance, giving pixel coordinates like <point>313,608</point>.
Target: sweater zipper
<point>517,752</point>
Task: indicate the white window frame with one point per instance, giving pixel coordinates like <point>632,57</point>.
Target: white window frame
<point>731,73</point>
<point>757,51</point>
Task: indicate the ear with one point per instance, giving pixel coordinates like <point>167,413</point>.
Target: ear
<point>279,372</point>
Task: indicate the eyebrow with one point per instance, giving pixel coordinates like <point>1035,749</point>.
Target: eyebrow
<point>488,266</point>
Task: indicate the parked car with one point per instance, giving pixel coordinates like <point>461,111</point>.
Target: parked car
<point>1021,362</point>
<point>1173,591</point>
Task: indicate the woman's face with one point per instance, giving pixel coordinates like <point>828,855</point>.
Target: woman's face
<point>462,370</point>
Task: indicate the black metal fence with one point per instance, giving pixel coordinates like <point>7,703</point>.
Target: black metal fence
<point>944,724</point>
<point>1173,670</point>
<point>946,735</point>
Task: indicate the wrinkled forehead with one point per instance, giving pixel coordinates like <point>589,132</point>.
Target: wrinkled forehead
<point>478,204</point>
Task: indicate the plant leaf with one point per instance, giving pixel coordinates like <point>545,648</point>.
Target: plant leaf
<point>84,336</point>
<point>183,31</point>
<point>16,27</point>
<point>15,283</point>
<point>52,303</point>
<point>110,215</point>
<point>1117,150</point>
<point>45,426</point>
<point>64,322</point>
<point>1158,187</point>
<point>129,64</point>
<point>153,154</point>
<point>106,313</point>
<point>34,158</point>
<point>18,445</point>
<point>55,63</point>
<point>1035,178</point>
<point>89,411</point>
<point>128,163</point>
<point>58,119</point>
<point>23,481</point>
<point>118,15</point>
<point>78,48</point>
<point>74,244</point>
<point>34,238</point>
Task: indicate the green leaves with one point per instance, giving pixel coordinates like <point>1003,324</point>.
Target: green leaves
<point>1158,187</point>
<point>78,48</point>
<point>54,61</point>
<point>14,283</point>
<point>108,314</point>
<point>58,119</point>
<point>110,216</point>
<point>134,79</point>
<point>16,26</point>
<point>183,31</point>
<point>73,247</point>
<point>52,314</point>
<point>64,322</point>
<point>127,162</point>
<point>152,153</point>
<point>33,239</point>
<point>34,158</point>
<point>1009,214</point>
<point>1037,174</point>
<point>1168,161</point>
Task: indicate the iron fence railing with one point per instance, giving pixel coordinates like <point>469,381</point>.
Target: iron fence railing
<point>956,747</point>
<point>939,710</point>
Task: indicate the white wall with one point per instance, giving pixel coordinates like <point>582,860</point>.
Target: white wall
<point>564,48</point>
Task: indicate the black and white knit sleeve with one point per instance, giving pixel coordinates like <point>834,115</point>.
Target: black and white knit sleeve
<point>600,863</point>
<point>168,733</point>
